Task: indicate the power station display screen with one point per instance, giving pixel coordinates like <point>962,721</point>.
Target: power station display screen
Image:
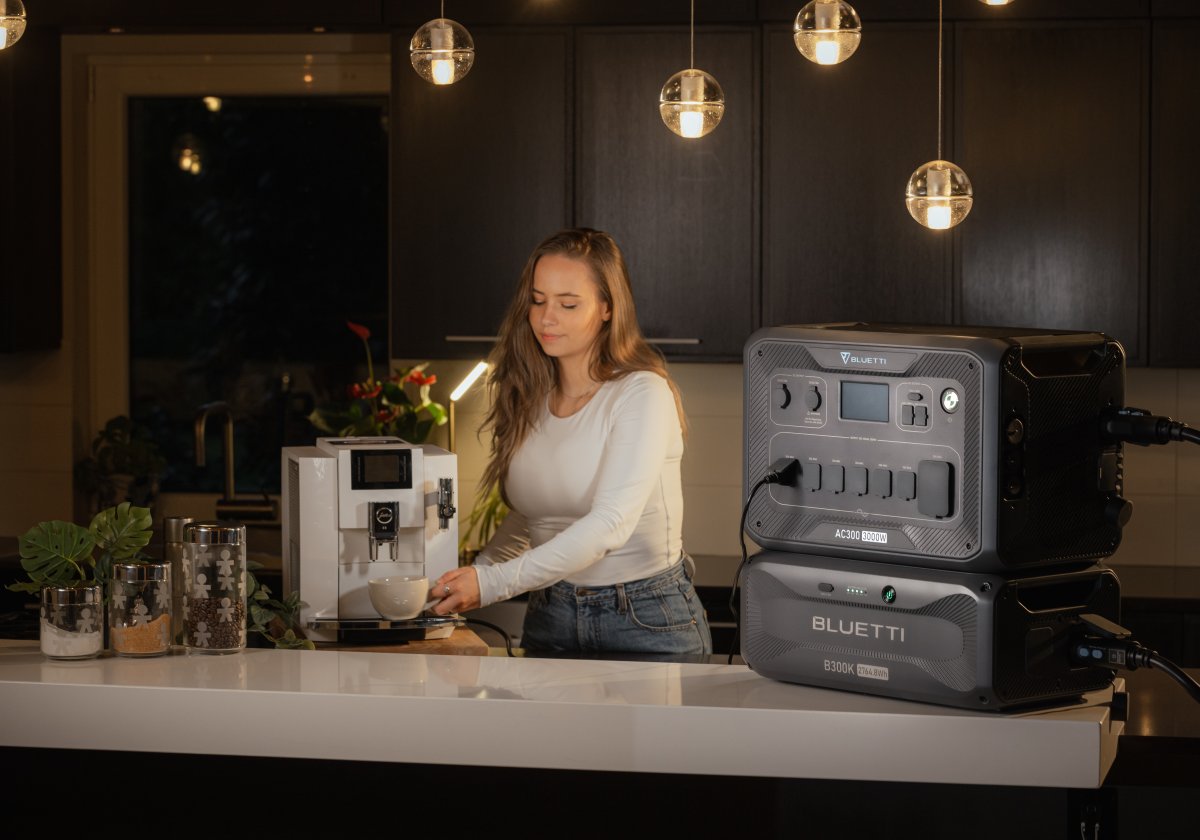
<point>865,401</point>
<point>389,469</point>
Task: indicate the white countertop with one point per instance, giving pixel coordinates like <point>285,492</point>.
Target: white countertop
<point>536,713</point>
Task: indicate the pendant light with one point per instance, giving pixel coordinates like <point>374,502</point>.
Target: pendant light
<point>995,2</point>
<point>827,31</point>
<point>442,51</point>
<point>939,193</point>
<point>691,103</point>
<point>12,21</point>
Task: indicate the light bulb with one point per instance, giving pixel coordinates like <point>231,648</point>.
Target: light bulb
<point>187,154</point>
<point>12,21</point>
<point>939,195</point>
<point>827,31</point>
<point>442,51</point>
<point>995,2</point>
<point>691,103</point>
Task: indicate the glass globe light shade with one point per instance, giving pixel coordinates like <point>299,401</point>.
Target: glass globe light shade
<point>995,2</point>
<point>939,195</point>
<point>691,103</point>
<point>442,51</point>
<point>188,154</point>
<point>827,31</point>
<point>12,20</point>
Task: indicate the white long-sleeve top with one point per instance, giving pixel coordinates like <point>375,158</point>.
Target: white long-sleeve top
<point>595,497</point>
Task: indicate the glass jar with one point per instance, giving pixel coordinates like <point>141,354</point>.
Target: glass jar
<point>214,591</point>
<point>139,610</point>
<point>72,621</point>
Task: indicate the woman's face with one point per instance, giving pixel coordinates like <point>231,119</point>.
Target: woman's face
<point>566,311</point>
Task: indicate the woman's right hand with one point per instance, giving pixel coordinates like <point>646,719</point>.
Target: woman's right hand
<point>455,591</point>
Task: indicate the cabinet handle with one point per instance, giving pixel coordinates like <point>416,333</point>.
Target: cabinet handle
<point>492,339</point>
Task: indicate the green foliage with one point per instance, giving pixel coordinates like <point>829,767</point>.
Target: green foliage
<point>55,553</point>
<point>125,465</point>
<point>384,407</point>
<point>485,518</point>
<point>276,620</point>
<point>58,553</point>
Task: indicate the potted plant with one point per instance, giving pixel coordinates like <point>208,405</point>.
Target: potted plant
<point>275,620</point>
<point>384,407</point>
<point>485,518</point>
<point>125,466</point>
<point>68,564</point>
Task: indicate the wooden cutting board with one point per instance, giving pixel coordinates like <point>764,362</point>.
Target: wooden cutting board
<point>462,642</point>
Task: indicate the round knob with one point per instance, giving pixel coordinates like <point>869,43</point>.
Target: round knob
<point>812,398</point>
<point>1118,511</point>
<point>1015,431</point>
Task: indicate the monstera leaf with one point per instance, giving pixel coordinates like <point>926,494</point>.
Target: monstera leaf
<point>55,553</point>
<point>122,531</point>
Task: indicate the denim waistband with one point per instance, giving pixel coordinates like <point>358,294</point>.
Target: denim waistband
<point>631,587</point>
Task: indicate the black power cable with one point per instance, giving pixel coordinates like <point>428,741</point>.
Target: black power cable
<point>507,639</point>
<point>782,471</point>
<point>1138,426</point>
<point>1104,644</point>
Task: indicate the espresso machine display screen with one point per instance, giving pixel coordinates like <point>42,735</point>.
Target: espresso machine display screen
<point>389,469</point>
<point>865,401</point>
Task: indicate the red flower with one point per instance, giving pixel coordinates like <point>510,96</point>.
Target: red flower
<point>384,416</point>
<point>359,330</point>
<point>419,379</point>
<point>365,391</point>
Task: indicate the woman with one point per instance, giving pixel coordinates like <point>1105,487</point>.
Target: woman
<point>587,438</point>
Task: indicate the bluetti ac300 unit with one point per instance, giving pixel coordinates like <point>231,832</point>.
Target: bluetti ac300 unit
<point>972,640</point>
<point>976,449</point>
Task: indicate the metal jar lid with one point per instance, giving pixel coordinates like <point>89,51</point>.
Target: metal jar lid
<point>173,527</point>
<point>140,572</point>
<point>214,533</point>
<point>91,594</point>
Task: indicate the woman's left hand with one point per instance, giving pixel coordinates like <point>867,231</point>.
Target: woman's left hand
<point>458,591</point>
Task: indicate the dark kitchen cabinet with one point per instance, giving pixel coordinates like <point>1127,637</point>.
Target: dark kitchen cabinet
<point>840,144</point>
<point>1175,195</point>
<point>1051,128</point>
<point>684,211</point>
<point>30,201</point>
<point>481,172</point>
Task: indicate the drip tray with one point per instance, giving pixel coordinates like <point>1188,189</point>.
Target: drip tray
<point>383,630</point>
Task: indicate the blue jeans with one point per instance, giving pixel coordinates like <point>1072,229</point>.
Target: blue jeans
<point>656,615</point>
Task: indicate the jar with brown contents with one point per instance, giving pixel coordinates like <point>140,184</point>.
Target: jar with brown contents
<point>140,609</point>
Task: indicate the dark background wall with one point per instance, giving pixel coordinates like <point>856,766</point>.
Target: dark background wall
<point>1075,122</point>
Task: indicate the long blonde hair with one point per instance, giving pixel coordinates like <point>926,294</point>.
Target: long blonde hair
<point>522,376</point>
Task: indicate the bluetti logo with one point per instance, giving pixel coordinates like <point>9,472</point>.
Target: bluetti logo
<point>850,359</point>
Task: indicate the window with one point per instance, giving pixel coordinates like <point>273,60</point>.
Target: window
<point>218,283</point>
<point>257,228</point>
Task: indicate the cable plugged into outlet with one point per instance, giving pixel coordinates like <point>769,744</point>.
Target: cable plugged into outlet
<point>1138,426</point>
<point>783,471</point>
<point>1104,644</point>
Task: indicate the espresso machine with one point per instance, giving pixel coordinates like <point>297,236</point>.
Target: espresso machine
<point>358,509</point>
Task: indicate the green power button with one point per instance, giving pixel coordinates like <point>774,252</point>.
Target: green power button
<point>889,594</point>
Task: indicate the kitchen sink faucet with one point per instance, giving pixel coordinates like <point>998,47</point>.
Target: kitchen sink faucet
<point>229,507</point>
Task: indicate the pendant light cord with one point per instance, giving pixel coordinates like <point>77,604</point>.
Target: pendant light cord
<point>691,39</point>
<point>939,90</point>
<point>443,9</point>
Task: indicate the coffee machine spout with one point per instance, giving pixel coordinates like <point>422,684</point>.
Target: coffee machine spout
<point>382,528</point>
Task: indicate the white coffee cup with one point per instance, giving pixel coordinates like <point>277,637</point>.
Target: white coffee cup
<point>399,597</point>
